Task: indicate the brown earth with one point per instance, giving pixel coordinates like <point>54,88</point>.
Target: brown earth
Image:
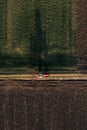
<point>43,105</point>
<point>82,32</point>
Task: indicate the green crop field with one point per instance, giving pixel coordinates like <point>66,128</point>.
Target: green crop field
<point>37,33</point>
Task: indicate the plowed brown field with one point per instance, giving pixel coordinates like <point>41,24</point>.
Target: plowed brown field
<point>82,32</point>
<point>43,105</point>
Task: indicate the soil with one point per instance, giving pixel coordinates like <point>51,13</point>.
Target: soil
<point>43,105</point>
<point>82,33</point>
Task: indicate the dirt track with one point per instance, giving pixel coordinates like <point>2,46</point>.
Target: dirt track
<point>71,76</point>
<point>43,105</point>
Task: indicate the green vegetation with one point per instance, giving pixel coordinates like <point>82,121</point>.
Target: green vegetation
<point>3,22</point>
<point>42,32</point>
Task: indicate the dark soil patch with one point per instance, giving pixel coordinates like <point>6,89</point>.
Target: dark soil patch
<point>82,33</point>
<point>47,105</point>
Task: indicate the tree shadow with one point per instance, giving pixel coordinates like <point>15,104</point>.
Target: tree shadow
<point>38,46</point>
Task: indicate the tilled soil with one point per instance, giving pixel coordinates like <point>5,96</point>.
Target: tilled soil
<point>81,15</point>
<point>43,105</point>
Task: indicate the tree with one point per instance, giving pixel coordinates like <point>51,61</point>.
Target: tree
<point>38,43</point>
